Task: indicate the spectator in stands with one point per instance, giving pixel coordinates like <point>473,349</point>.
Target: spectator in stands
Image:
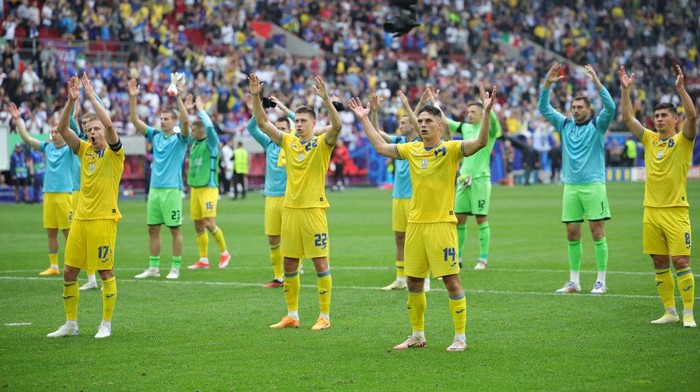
<point>614,153</point>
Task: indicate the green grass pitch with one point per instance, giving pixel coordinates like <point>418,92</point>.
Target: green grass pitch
<point>209,330</point>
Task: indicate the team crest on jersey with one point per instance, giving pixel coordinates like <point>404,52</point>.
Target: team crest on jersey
<point>301,156</point>
<point>91,167</point>
<point>424,163</point>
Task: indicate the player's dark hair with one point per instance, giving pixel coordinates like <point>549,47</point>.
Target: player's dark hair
<point>666,105</point>
<point>284,119</point>
<point>307,110</point>
<point>171,113</point>
<point>430,109</point>
<point>475,103</point>
<point>585,100</point>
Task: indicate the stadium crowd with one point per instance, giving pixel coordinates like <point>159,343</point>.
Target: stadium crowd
<point>456,45</point>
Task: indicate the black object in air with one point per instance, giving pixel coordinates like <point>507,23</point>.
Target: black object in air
<point>268,103</point>
<point>404,19</point>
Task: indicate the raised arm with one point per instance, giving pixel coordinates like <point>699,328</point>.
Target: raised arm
<point>409,112</point>
<point>634,126</point>
<point>469,147</point>
<point>264,124</point>
<point>102,114</point>
<point>287,111</point>
<point>690,127</point>
<point>375,102</point>
<point>34,143</point>
<point>552,116</point>
<point>184,118</point>
<point>362,114</point>
<point>336,124</point>
<point>133,111</point>
<point>606,115</point>
<point>69,136</point>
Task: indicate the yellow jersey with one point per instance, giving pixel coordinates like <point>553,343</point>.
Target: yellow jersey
<point>433,175</point>
<point>307,165</point>
<point>667,164</point>
<point>100,174</point>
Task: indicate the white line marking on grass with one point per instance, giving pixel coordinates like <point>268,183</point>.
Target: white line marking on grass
<point>17,324</point>
<point>391,268</point>
<point>313,286</point>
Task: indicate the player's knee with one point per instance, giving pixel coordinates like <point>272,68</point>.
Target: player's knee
<point>681,262</point>
<point>661,261</point>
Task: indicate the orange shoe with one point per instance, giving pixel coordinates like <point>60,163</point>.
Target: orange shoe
<point>223,261</point>
<point>273,284</point>
<point>321,323</point>
<point>50,271</point>
<point>287,322</point>
<point>198,265</point>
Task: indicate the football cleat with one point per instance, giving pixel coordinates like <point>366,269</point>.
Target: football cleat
<point>273,284</point>
<point>569,287</point>
<point>223,261</point>
<point>173,274</point>
<point>89,286</point>
<point>103,332</point>
<point>688,320</point>
<point>395,285</point>
<point>286,322</point>
<point>199,265</point>
<point>64,330</point>
<point>480,265</point>
<point>411,342</point>
<point>321,324</point>
<point>667,318</point>
<point>599,288</point>
<point>50,271</point>
<point>149,273</point>
<point>457,345</point>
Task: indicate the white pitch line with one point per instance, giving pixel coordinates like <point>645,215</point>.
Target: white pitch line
<point>391,268</point>
<point>245,284</point>
<point>17,324</point>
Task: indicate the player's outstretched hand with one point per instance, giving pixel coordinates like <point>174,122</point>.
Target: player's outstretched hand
<point>553,74</point>
<point>254,85</point>
<point>320,88</point>
<point>625,81</point>
<point>87,86</point>
<point>590,72</point>
<point>356,106</point>
<point>680,79</point>
<point>133,88</point>
<point>74,87</point>
<point>14,111</point>
<point>375,102</point>
<point>489,98</point>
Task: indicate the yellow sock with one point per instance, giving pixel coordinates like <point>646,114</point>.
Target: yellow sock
<point>399,269</point>
<point>292,284</point>
<point>458,309</point>
<point>416,310</point>
<point>53,259</point>
<point>665,287</point>
<point>686,285</point>
<point>276,259</point>
<point>109,298</point>
<point>203,244</point>
<point>71,296</point>
<point>324,281</point>
<point>219,239</point>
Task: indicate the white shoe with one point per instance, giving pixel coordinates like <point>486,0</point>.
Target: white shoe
<point>457,345</point>
<point>64,330</point>
<point>173,274</point>
<point>88,286</point>
<point>103,332</point>
<point>667,318</point>
<point>480,265</point>
<point>599,288</point>
<point>149,273</point>
<point>688,320</point>
<point>411,342</point>
<point>569,287</point>
<point>395,285</point>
